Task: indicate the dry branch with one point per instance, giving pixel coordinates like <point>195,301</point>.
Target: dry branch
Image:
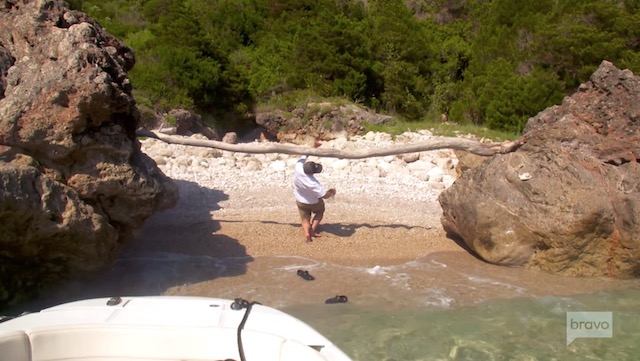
<point>468,145</point>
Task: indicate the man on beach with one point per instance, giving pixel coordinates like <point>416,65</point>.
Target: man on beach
<point>310,195</point>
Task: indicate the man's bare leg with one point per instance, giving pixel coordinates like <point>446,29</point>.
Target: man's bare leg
<point>306,228</point>
<point>315,223</point>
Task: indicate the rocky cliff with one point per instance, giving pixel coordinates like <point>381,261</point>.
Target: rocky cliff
<point>568,200</point>
<point>74,183</point>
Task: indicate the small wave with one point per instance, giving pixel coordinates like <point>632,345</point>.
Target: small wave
<point>477,279</point>
<point>560,305</point>
<point>440,264</point>
<point>377,270</point>
<point>401,280</point>
<point>437,297</point>
<point>309,263</point>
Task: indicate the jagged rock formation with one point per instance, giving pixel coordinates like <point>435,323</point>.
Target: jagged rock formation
<point>568,200</point>
<point>74,181</point>
<point>325,121</point>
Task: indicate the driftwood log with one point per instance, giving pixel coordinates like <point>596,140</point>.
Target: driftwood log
<point>468,145</point>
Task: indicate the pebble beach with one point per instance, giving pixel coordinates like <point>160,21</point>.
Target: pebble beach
<point>385,211</point>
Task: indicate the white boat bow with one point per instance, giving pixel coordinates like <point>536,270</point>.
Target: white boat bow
<point>167,328</point>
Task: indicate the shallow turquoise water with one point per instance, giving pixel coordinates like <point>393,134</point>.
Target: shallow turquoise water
<point>506,329</point>
<point>446,306</point>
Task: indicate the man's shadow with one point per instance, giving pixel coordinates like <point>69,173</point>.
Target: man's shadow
<point>176,247</point>
<point>347,229</point>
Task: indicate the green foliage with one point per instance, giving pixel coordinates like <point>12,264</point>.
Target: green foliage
<point>171,120</point>
<point>394,127</point>
<point>297,99</point>
<point>262,67</point>
<point>439,128</point>
<point>507,99</point>
<point>118,17</point>
<point>448,129</point>
<point>483,63</point>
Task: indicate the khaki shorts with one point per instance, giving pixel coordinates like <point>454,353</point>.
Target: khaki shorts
<point>305,210</point>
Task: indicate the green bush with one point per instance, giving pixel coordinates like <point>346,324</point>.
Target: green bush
<point>492,63</point>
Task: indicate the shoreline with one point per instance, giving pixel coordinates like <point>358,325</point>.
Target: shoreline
<point>252,244</point>
<point>236,204</point>
<point>389,253</point>
<point>357,230</point>
<point>236,232</point>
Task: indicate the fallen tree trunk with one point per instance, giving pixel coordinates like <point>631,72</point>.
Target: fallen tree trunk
<point>468,145</point>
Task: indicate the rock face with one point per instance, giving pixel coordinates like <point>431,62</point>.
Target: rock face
<point>74,181</point>
<point>325,121</point>
<point>568,200</point>
<point>188,123</point>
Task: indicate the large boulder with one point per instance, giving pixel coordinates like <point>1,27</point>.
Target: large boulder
<point>74,181</point>
<point>189,123</point>
<point>568,200</point>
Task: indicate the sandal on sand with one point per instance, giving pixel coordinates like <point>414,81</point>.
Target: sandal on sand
<point>305,275</point>
<point>337,299</point>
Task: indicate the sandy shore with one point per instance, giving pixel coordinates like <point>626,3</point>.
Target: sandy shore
<point>249,243</point>
<point>381,251</point>
<point>356,230</point>
<point>236,232</point>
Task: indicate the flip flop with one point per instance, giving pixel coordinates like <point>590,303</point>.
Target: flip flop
<point>305,275</point>
<point>337,299</point>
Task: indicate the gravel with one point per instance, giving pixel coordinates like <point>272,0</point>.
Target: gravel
<point>412,177</point>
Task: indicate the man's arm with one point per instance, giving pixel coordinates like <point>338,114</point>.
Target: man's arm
<point>330,193</point>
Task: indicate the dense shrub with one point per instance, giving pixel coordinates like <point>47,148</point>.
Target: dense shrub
<point>493,63</point>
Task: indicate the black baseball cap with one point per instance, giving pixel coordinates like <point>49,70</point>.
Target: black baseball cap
<point>312,168</point>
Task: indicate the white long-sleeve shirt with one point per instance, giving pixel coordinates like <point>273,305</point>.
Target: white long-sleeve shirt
<point>306,188</point>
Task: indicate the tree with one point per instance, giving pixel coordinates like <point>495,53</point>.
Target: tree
<point>486,62</point>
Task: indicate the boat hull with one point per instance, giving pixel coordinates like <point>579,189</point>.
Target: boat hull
<point>162,328</point>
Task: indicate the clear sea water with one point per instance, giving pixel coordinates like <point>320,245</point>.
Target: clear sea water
<point>447,306</point>
<point>521,328</point>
